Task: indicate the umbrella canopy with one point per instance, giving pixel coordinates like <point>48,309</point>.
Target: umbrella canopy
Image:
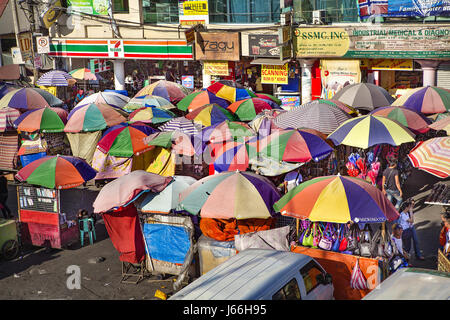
<point>92,117</point>
<point>319,116</point>
<point>337,199</point>
<point>198,99</point>
<point>44,120</point>
<point>432,156</point>
<point>247,109</point>
<point>443,124</point>
<point>234,155</point>
<point>151,114</point>
<point>170,91</point>
<point>83,74</point>
<point>270,97</point>
<point>229,93</point>
<point>181,124</point>
<point>7,117</point>
<point>209,115</point>
<point>62,172</point>
<point>400,101</point>
<point>140,102</point>
<point>168,199</point>
<point>24,99</point>
<point>6,87</point>
<point>124,189</point>
<point>294,146</point>
<point>226,130</point>
<point>62,113</point>
<point>125,141</point>
<point>429,100</point>
<point>438,116</point>
<point>336,103</point>
<point>240,195</point>
<point>408,118</point>
<point>364,96</point>
<point>109,97</point>
<point>54,78</point>
<point>366,131</point>
<point>178,141</point>
<point>52,100</point>
<point>264,122</point>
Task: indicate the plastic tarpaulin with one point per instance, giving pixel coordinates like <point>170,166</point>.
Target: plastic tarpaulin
<point>167,243</point>
<point>275,239</point>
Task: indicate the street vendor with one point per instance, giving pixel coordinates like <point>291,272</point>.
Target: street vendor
<point>391,183</point>
<point>4,196</point>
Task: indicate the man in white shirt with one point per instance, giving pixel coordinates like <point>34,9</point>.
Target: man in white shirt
<point>406,221</point>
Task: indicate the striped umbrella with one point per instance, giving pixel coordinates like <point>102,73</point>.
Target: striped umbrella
<point>62,172</point>
<point>92,117</point>
<point>230,94</point>
<point>247,109</point>
<point>408,118</point>
<point>7,117</point>
<point>150,114</point>
<point>199,99</point>
<point>443,124</point>
<point>54,78</point>
<point>429,100</point>
<point>140,102</point>
<point>44,120</point>
<point>209,115</point>
<point>181,124</point>
<point>337,199</point>
<point>83,74</point>
<point>105,97</point>
<point>321,117</point>
<point>364,96</point>
<point>366,131</point>
<point>238,194</point>
<point>432,156</point>
<point>170,91</point>
<point>270,97</point>
<point>225,131</point>
<point>336,103</point>
<point>23,99</point>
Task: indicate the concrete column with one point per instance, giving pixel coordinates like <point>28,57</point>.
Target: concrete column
<point>306,88</point>
<point>206,78</point>
<point>119,74</point>
<point>429,71</point>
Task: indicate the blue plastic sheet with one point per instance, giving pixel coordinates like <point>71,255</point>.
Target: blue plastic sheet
<point>167,243</point>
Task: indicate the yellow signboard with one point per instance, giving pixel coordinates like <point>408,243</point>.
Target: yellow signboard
<point>274,74</point>
<point>321,42</point>
<point>195,8</point>
<point>216,68</point>
<point>391,64</point>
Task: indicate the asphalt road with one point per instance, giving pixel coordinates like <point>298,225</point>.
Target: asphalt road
<point>38,274</point>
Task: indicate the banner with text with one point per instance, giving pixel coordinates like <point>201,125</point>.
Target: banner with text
<point>274,74</point>
<point>216,68</point>
<point>337,74</point>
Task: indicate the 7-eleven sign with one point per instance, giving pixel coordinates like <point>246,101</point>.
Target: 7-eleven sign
<point>115,48</point>
<point>99,65</point>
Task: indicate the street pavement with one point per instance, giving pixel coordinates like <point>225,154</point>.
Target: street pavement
<point>38,274</point>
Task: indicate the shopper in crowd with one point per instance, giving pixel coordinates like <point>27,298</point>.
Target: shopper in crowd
<point>406,220</point>
<point>80,96</point>
<point>397,238</point>
<point>447,236</point>
<point>445,213</point>
<point>4,196</point>
<point>391,183</point>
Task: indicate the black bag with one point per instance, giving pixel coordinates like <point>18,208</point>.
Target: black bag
<point>382,246</point>
<point>353,239</point>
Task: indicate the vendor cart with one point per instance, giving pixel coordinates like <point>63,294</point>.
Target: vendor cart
<point>43,222</point>
<point>9,244</point>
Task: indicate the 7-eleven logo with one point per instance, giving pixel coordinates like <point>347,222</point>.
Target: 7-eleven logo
<point>115,49</point>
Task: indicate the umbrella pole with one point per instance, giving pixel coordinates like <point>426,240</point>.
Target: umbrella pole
<point>298,223</point>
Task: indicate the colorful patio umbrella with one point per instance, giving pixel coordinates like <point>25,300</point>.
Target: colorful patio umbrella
<point>170,91</point>
<point>54,78</point>
<point>61,172</point>
<point>438,116</point>
<point>337,199</point>
<point>178,141</point>
<point>408,118</point>
<point>125,141</point>
<point>366,131</point>
<point>432,156</point>
<point>234,155</point>
<point>44,120</point>
<point>6,87</point>
<point>247,109</point>
<point>209,115</point>
<point>105,97</point>
<point>400,101</point>
<point>140,102</point>
<point>150,114</point>
<point>83,74</point>
<point>294,146</point>
<point>321,116</point>
<point>264,122</point>
<point>7,117</point>
<point>267,96</point>
<point>443,124</point>
<point>62,113</point>
<point>24,99</point>
<point>181,124</point>
<point>364,96</point>
<point>429,100</point>
<point>336,103</point>
<point>199,99</point>
<point>168,199</point>
<point>92,117</point>
<point>230,94</point>
<point>52,100</point>
<point>238,194</point>
<point>226,130</point>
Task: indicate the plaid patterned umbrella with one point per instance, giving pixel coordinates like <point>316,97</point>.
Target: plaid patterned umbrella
<point>432,156</point>
<point>54,78</point>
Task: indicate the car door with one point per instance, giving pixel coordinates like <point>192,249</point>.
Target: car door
<point>314,290</point>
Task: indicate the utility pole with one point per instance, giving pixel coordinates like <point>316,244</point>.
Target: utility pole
<point>33,31</point>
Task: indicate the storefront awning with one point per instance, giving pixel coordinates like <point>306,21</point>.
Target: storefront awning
<point>273,62</point>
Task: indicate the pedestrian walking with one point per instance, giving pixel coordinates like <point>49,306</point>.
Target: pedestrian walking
<point>445,214</point>
<point>406,220</point>
<point>4,196</point>
<point>391,184</point>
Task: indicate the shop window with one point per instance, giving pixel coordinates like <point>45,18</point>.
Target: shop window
<point>309,274</point>
<point>290,291</point>
<point>335,10</point>
<point>120,6</point>
<point>160,11</point>
<point>244,11</point>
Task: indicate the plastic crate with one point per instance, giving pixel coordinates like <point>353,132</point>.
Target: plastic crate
<point>212,252</point>
<point>28,158</point>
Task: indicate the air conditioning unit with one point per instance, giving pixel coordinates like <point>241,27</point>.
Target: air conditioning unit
<point>318,16</point>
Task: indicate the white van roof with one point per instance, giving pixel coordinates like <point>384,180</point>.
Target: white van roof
<point>413,284</point>
<point>245,276</point>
